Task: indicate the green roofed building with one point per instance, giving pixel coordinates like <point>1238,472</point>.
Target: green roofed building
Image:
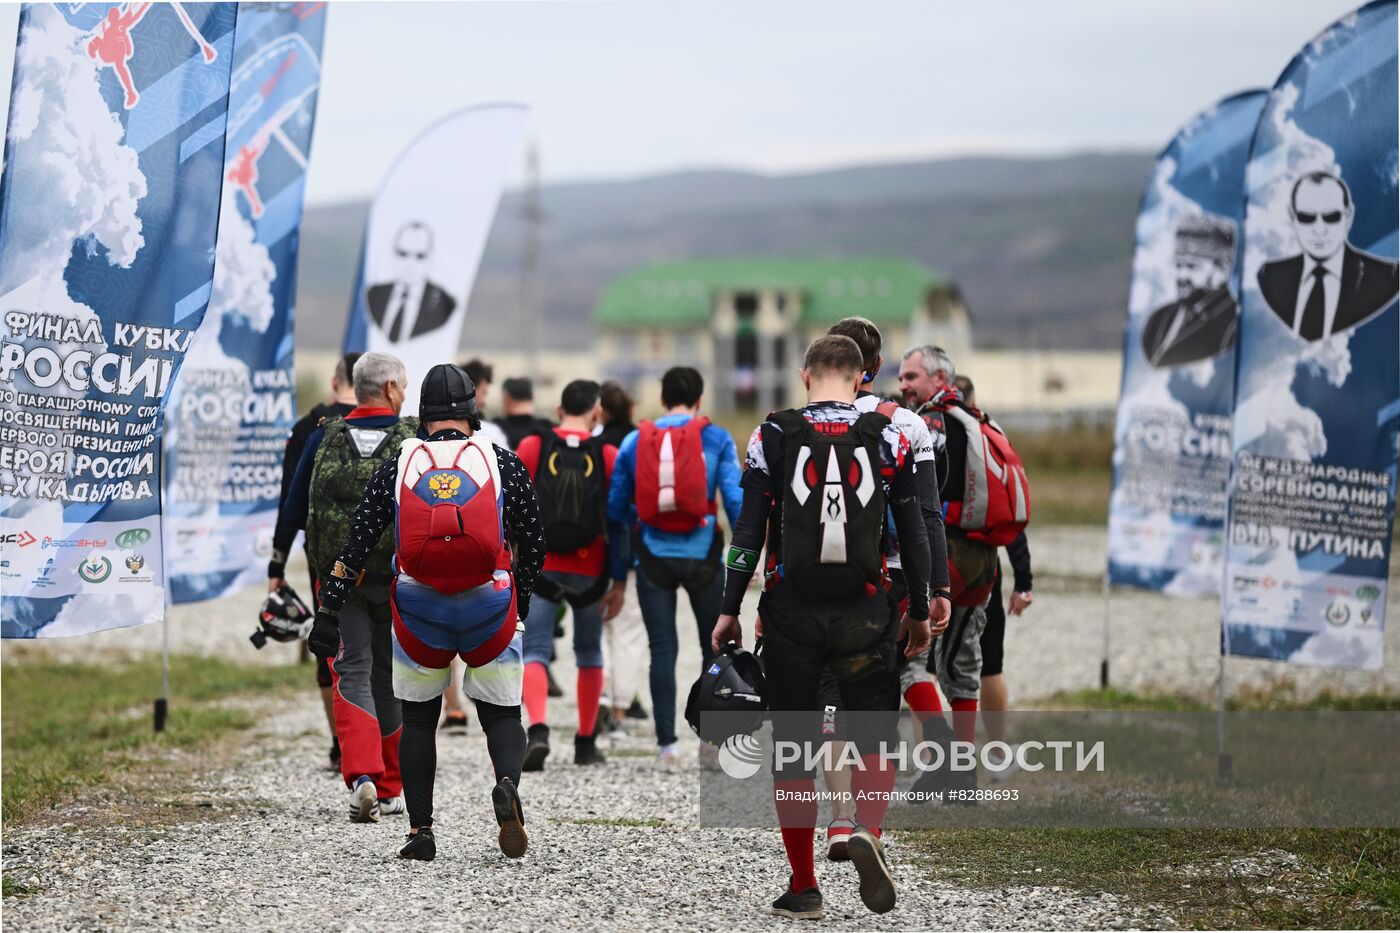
<point>745,323</point>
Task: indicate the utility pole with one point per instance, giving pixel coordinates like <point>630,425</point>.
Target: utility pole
<point>532,216</point>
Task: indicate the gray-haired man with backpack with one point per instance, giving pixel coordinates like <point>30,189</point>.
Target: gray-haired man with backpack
<point>330,480</point>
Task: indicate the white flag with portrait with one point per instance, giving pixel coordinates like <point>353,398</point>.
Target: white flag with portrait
<point>426,232</point>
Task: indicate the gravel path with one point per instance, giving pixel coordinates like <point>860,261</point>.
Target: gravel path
<point>275,851</point>
<point>278,854</point>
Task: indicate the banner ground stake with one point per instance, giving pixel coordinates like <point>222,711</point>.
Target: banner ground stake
<point>1224,765</point>
<point>1103,662</point>
<point>163,701</point>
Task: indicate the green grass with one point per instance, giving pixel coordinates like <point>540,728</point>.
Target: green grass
<point>1071,475</point>
<point>66,725</point>
<point>1280,696</point>
<point>1344,878</point>
<point>11,888</point>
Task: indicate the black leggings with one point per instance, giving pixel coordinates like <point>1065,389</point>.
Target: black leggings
<point>505,743</point>
<point>848,643</point>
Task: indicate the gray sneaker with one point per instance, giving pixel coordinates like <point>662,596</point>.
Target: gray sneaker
<point>867,854</point>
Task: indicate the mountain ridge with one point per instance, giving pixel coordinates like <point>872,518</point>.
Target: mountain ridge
<point>1041,247</point>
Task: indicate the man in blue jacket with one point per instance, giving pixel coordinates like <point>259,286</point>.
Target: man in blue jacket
<point>668,487</point>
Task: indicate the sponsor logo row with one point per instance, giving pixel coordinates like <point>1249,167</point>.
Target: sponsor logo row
<point>130,539</point>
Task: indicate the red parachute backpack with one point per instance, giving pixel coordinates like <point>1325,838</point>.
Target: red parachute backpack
<point>449,528</point>
<point>996,503</point>
<point>673,491</point>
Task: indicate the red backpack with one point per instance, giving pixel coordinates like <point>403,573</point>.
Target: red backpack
<point>673,491</point>
<point>996,503</point>
<point>449,528</point>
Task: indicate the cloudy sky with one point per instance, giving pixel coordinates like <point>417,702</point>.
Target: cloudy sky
<point>619,89</point>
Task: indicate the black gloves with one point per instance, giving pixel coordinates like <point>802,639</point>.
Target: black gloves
<point>324,640</point>
<point>277,566</point>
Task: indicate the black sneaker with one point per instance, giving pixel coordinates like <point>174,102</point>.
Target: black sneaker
<point>536,748</point>
<point>637,710</point>
<point>455,721</point>
<point>555,690</point>
<point>334,757</point>
<point>932,783</point>
<point>800,905</point>
<point>961,790</point>
<point>867,854</point>
<point>586,751</point>
<point>420,846</point>
<point>510,816</point>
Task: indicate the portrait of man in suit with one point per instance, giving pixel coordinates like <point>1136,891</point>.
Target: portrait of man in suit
<point>1330,287</point>
<point>410,306</point>
<point>1200,323</point>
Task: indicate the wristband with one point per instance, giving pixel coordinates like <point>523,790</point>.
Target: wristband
<point>942,594</point>
<point>741,559</point>
<point>342,572</point>
<point>276,570</point>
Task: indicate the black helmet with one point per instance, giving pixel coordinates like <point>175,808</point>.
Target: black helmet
<point>733,683</point>
<point>284,617</point>
<point>448,394</point>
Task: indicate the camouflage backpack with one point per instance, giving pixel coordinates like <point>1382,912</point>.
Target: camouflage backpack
<point>345,462</point>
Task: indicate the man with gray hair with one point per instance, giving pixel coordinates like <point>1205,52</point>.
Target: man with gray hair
<point>926,380</point>
<point>330,480</point>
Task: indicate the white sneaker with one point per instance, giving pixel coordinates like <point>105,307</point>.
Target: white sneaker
<point>669,757</point>
<point>392,806</point>
<point>364,804</point>
<point>997,776</point>
<point>709,757</point>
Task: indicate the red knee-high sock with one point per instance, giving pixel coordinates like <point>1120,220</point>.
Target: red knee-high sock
<point>965,719</point>
<point>536,691</point>
<point>922,697</point>
<point>796,804</point>
<point>590,691</point>
<point>872,788</point>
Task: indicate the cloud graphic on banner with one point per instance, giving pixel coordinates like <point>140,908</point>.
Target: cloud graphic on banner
<point>74,177</point>
<point>75,618</point>
<point>1363,650</point>
<point>243,275</point>
<point>243,272</point>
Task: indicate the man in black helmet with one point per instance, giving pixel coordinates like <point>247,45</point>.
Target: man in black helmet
<point>468,548</point>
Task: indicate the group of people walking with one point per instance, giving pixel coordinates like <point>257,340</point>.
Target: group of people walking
<point>442,541</point>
